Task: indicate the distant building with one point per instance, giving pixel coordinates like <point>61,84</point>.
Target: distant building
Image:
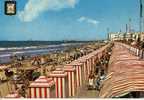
<point>142,36</point>
<point>113,36</point>
<point>129,36</point>
<point>121,36</point>
<point>116,36</point>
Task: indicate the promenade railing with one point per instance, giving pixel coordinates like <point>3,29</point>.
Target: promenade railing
<point>133,50</point>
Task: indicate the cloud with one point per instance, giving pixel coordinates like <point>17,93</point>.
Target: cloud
<point>34,8</point>
<point>88,20</point>
<point>81,19</point>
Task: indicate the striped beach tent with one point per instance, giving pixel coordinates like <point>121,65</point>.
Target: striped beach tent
<point>42,87</point>
<point>61,82</point>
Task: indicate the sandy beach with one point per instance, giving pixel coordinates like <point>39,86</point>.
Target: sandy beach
<point>51,62</point>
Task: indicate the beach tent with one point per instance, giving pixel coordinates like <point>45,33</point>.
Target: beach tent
<point>42,87</point>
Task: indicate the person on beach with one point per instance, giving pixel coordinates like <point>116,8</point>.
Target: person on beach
<point>33,60</point>
<point>98,84</point>
<point>36,61</point>
<point>91,80</point>
<point>22,91</point>
<point>42,60</point>
<point>99,80</point>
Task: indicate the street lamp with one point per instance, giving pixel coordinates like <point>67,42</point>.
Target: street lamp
<point>108,34</point>
<point>141,15</point>
<point>140,21</point>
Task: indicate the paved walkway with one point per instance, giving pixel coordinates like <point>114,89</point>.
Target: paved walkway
<point>85,93</point>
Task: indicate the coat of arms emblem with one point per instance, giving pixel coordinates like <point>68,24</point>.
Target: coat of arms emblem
<point>10,7</point>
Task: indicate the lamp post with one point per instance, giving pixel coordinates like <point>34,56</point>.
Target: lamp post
<point>108,34</point>
<point>141,16</point>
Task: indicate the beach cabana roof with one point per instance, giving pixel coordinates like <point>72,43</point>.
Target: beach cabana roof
<point>42,81</point>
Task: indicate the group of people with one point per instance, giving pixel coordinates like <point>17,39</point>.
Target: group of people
<point>95,81</point>
<point>97,76</point>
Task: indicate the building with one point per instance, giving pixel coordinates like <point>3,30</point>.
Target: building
<point>142,36</point>
<point>113,36</point>
<point>116,36</point>
<point>123,36</point>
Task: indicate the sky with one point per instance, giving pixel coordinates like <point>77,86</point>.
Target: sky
<point>52,20</point>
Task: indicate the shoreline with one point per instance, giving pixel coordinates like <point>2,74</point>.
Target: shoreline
<point>34,51</point>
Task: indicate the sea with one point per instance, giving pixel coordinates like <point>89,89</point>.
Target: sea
<point>32,48</point>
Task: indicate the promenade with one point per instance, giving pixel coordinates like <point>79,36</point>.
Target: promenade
<point>85,93</point>
<point>125,74</point>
